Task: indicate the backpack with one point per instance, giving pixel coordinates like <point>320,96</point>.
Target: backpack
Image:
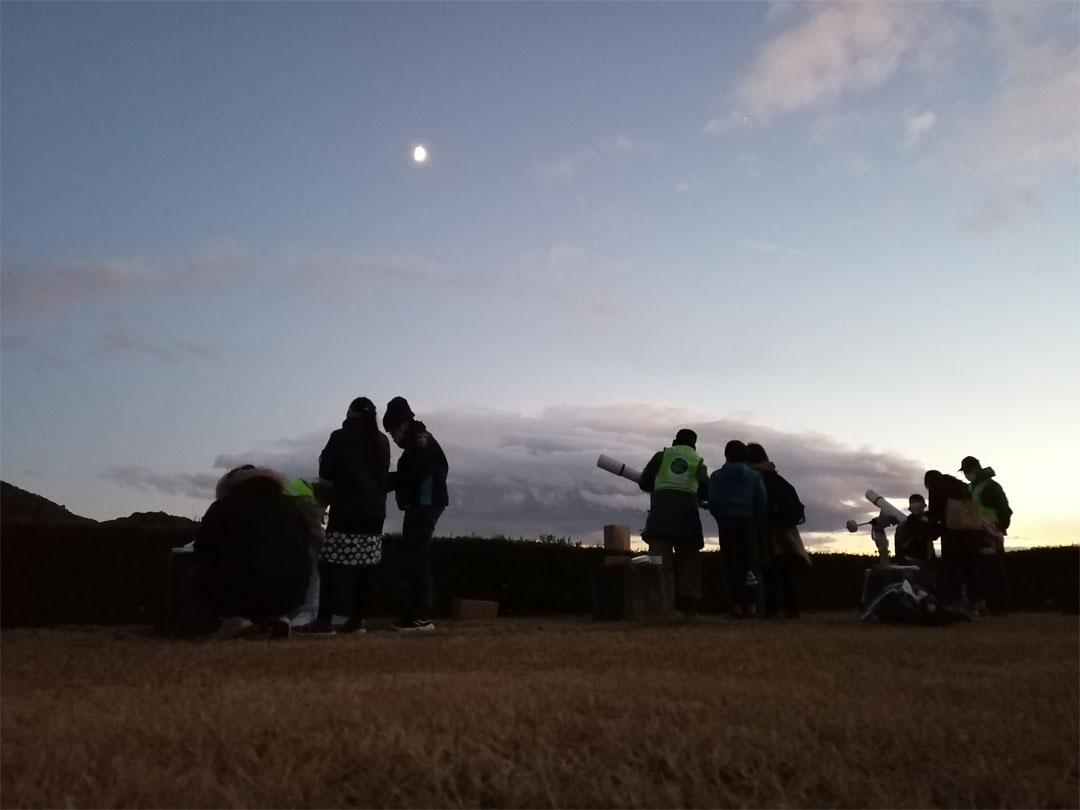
<point>785,506</point>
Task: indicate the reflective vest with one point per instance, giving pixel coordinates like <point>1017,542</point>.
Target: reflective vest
<point>678,471</point>
<point>298,488</point>
<point>976,494</point>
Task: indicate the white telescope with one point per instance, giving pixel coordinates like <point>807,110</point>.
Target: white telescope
<point>885,507</point>
<point>618,468</point>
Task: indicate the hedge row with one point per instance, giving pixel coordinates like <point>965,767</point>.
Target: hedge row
<point>118,575</point>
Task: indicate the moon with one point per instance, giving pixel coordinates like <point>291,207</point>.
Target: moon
<point>419,154</point>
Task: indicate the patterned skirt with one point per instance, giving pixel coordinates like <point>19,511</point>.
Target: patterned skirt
<point>351,549</point>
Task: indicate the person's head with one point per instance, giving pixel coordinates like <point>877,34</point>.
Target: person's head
<point>735,452</point>
<point>686,437</point>
<point>397,418</point>
<point>970,467</point>
<point>916,504</point>
<point>250,480</point>
<point>755,454</point>
<point>932,478</point>
<point>361,408</point>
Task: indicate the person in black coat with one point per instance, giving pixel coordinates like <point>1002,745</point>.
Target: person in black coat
<point>356,462</point>
<point>251,555</point>
<point>783,555</point>
<point>959,545</point>
<point>419,485</point>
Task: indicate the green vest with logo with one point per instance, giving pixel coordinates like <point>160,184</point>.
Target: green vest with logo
<point>976,494</point>
<point>678,471</point>
<point>299,488</point>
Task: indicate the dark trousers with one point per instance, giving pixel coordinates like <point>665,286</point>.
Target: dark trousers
<point>739,547</point>
<point>344,589</point>
<point>781,576</point>
<point>959,565</point>
<point>417,529</point>
<point>990,569</point>
<point>685,559</point>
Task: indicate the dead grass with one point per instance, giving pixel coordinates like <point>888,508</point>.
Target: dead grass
<point>550,714</point>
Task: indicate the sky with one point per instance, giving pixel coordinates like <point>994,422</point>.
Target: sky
<point>850,231</point>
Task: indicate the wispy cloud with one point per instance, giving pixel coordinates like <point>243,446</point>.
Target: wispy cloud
<point>918,125</point>
<point>35,288</point>
<point>530,473</point>
<point>839,49</point>
<point>570,166</point>
<point>193,485</point>
<point>124,340</point>
<point>759,246</point>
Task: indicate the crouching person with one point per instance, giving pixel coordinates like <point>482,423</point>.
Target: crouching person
<point>251,557</point>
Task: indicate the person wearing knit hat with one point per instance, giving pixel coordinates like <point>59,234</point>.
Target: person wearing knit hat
<point>356,462</point>
<point>419,486</point>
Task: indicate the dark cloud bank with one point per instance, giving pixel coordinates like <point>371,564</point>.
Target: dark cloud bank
<point>516,474</point>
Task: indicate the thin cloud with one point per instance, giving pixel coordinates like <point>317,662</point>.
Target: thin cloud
<point>759,246</point>
<point>570,166</point>
<point>531,473</point>
<point>839,49</point>
<point>143,479</point>
<point>918,126</point>
<point>41,288</point>
<point>123,340</point>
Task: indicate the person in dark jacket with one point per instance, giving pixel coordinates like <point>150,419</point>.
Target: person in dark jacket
<point>949,502</point>
<point>677,482</point>
<point>419,485</point>
<point>783,555</point>
<point>356,462</point>
<point>994,509</point>
<point>251,557</point>
<point>913,541</point>
<point>737,499</point>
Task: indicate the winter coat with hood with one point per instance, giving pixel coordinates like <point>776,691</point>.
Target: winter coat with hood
<point>420,478</point>
<point>356,460</point>
<point>252,546</point>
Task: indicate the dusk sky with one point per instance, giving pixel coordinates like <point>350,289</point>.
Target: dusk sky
<point>847,230</point>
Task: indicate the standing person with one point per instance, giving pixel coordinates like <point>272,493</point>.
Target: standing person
<point>994,509</point>
<point>953,515</point>
<point>737,500</point>
<point>784,556</point>
<point>356,462</point>
<point>677,482</point>
<point>419,485</point>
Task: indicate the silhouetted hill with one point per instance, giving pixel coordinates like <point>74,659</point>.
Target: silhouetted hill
<point>151,520</point>
<point>18,505</point>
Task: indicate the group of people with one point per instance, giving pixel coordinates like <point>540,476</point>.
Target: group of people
<point>262,541</point>
<point>757,514</point>
<point>971,520</point>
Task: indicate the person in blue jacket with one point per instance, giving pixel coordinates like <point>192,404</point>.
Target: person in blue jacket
<point>737,500</point>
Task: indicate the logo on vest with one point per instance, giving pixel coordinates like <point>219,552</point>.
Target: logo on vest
<point>679,466</point>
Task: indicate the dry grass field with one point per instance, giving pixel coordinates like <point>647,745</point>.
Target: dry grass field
<point>550,713</point>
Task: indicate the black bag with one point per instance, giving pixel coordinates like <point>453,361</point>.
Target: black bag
<point>785,505</point>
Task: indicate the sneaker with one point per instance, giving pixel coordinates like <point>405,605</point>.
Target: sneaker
<point>352,627</point>
<point>413,626</point>
<point>315,629</point>
<point>279,627</point>
<point>234,627</point>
